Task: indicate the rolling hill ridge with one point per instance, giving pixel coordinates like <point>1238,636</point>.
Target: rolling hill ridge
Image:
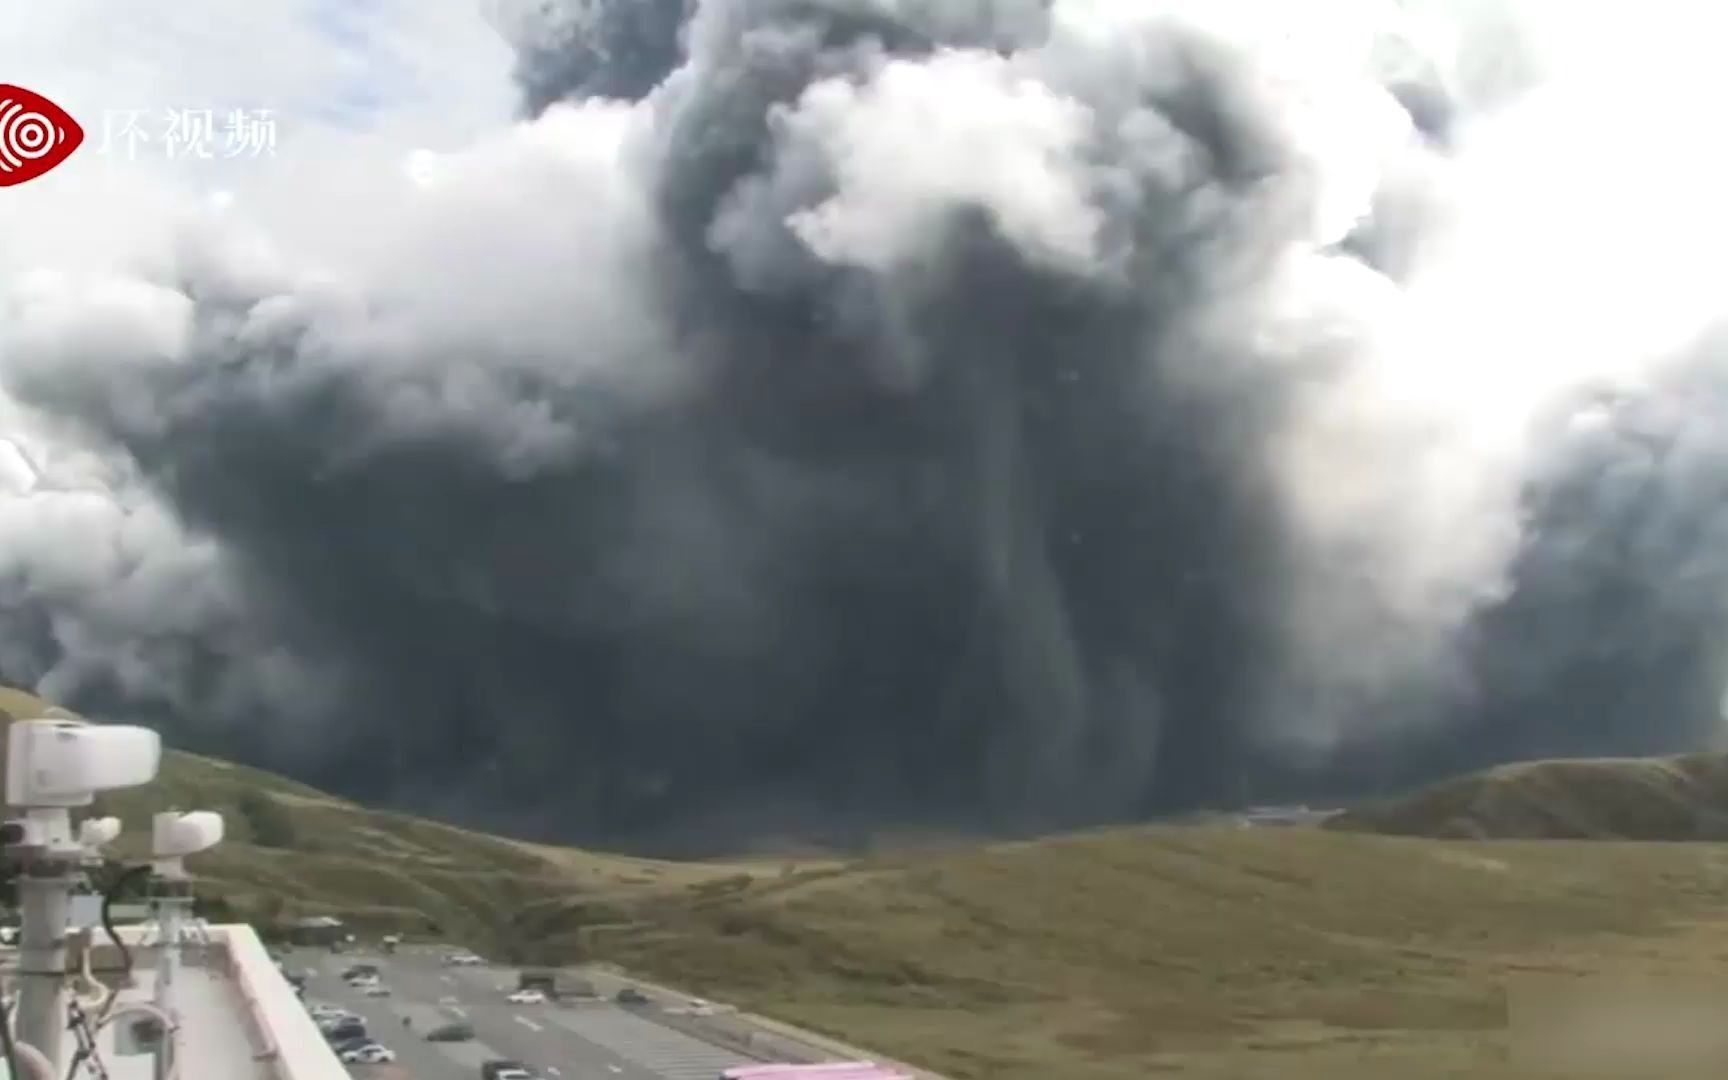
<point>1684,797</point>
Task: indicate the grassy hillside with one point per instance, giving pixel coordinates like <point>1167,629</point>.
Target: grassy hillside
<point>1676,798</point>
<point>1192,951</point>
<point>293,850</point>
<point>1201,952</point>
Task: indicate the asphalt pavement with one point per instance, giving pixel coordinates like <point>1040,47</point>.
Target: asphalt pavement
<point>585,1041</point>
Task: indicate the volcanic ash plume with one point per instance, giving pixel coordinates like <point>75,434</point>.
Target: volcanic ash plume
<point>835,415</point>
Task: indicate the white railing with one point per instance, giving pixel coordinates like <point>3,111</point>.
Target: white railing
<point>287,1040</point>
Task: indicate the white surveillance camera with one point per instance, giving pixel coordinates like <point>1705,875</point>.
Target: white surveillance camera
<point>63,763</point>
<point>98,832</point>
<point>177,835</point>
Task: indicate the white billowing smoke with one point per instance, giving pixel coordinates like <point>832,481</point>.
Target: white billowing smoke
<point>1571,243</point>
<point>1430,298</point>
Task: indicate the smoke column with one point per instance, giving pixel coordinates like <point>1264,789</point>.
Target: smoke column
<point>815,417</point>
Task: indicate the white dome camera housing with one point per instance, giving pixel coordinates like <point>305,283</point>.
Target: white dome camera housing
<point>95,833</point>
<point>176,835</point>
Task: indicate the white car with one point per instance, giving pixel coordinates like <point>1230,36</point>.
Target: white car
<point>318,1010</point>
<point>370,1054</point>
<point>526,997</point>
<point>376,990</point>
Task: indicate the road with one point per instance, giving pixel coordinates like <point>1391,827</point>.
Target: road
<point>589,1041</point>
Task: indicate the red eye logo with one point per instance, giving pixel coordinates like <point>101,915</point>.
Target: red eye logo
<point>36,135</point>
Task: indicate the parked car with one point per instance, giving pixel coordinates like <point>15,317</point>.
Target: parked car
<point>526,997</point>
<point>347,1029</point>
<point>489,1070</point>
<point>631,996</point>
<point>376,989</point>
<point>343,1046</point>
<point>370,1054</point>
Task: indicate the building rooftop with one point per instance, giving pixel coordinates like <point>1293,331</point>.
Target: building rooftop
<point>173,998</point>
<point>239,1018</point>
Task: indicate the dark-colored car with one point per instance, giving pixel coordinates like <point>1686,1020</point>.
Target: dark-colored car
<point>352,1043</point>
<point>450,1033</point>
<point>631,996</point>
<point>492,1068</point>
<point>348,1029</point>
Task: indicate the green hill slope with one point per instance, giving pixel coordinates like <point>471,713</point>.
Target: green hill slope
<point>293,850</point>
<point>1223,953</point>
<point>1674,798</point>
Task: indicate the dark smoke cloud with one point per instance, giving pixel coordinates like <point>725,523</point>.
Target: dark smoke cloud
<point>860,415</point>
<point>1615,638</point>
<point>603,50</point>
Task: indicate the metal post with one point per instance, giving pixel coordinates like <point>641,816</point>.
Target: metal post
<point>168,948</point>
<point>169,903</point>
<point>44,903</point>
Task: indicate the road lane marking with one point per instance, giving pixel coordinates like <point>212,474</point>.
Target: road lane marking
<point>527,1023</point>
<point>448,979</point>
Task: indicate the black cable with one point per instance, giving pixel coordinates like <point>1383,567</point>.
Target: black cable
<point>6,1008</point>
<point>108,895</point>
<point>78,1021</point>
<point>6,1040</point>
<point>74,1015</point>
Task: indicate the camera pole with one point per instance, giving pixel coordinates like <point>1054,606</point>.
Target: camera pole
<point>50,862</point>
<point>52,766</point>
<point>170,899</point>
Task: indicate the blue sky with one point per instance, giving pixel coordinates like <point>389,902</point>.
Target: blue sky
<point>355,86</point>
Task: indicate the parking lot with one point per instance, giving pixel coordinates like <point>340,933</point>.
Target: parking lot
<point>595,1038</point>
